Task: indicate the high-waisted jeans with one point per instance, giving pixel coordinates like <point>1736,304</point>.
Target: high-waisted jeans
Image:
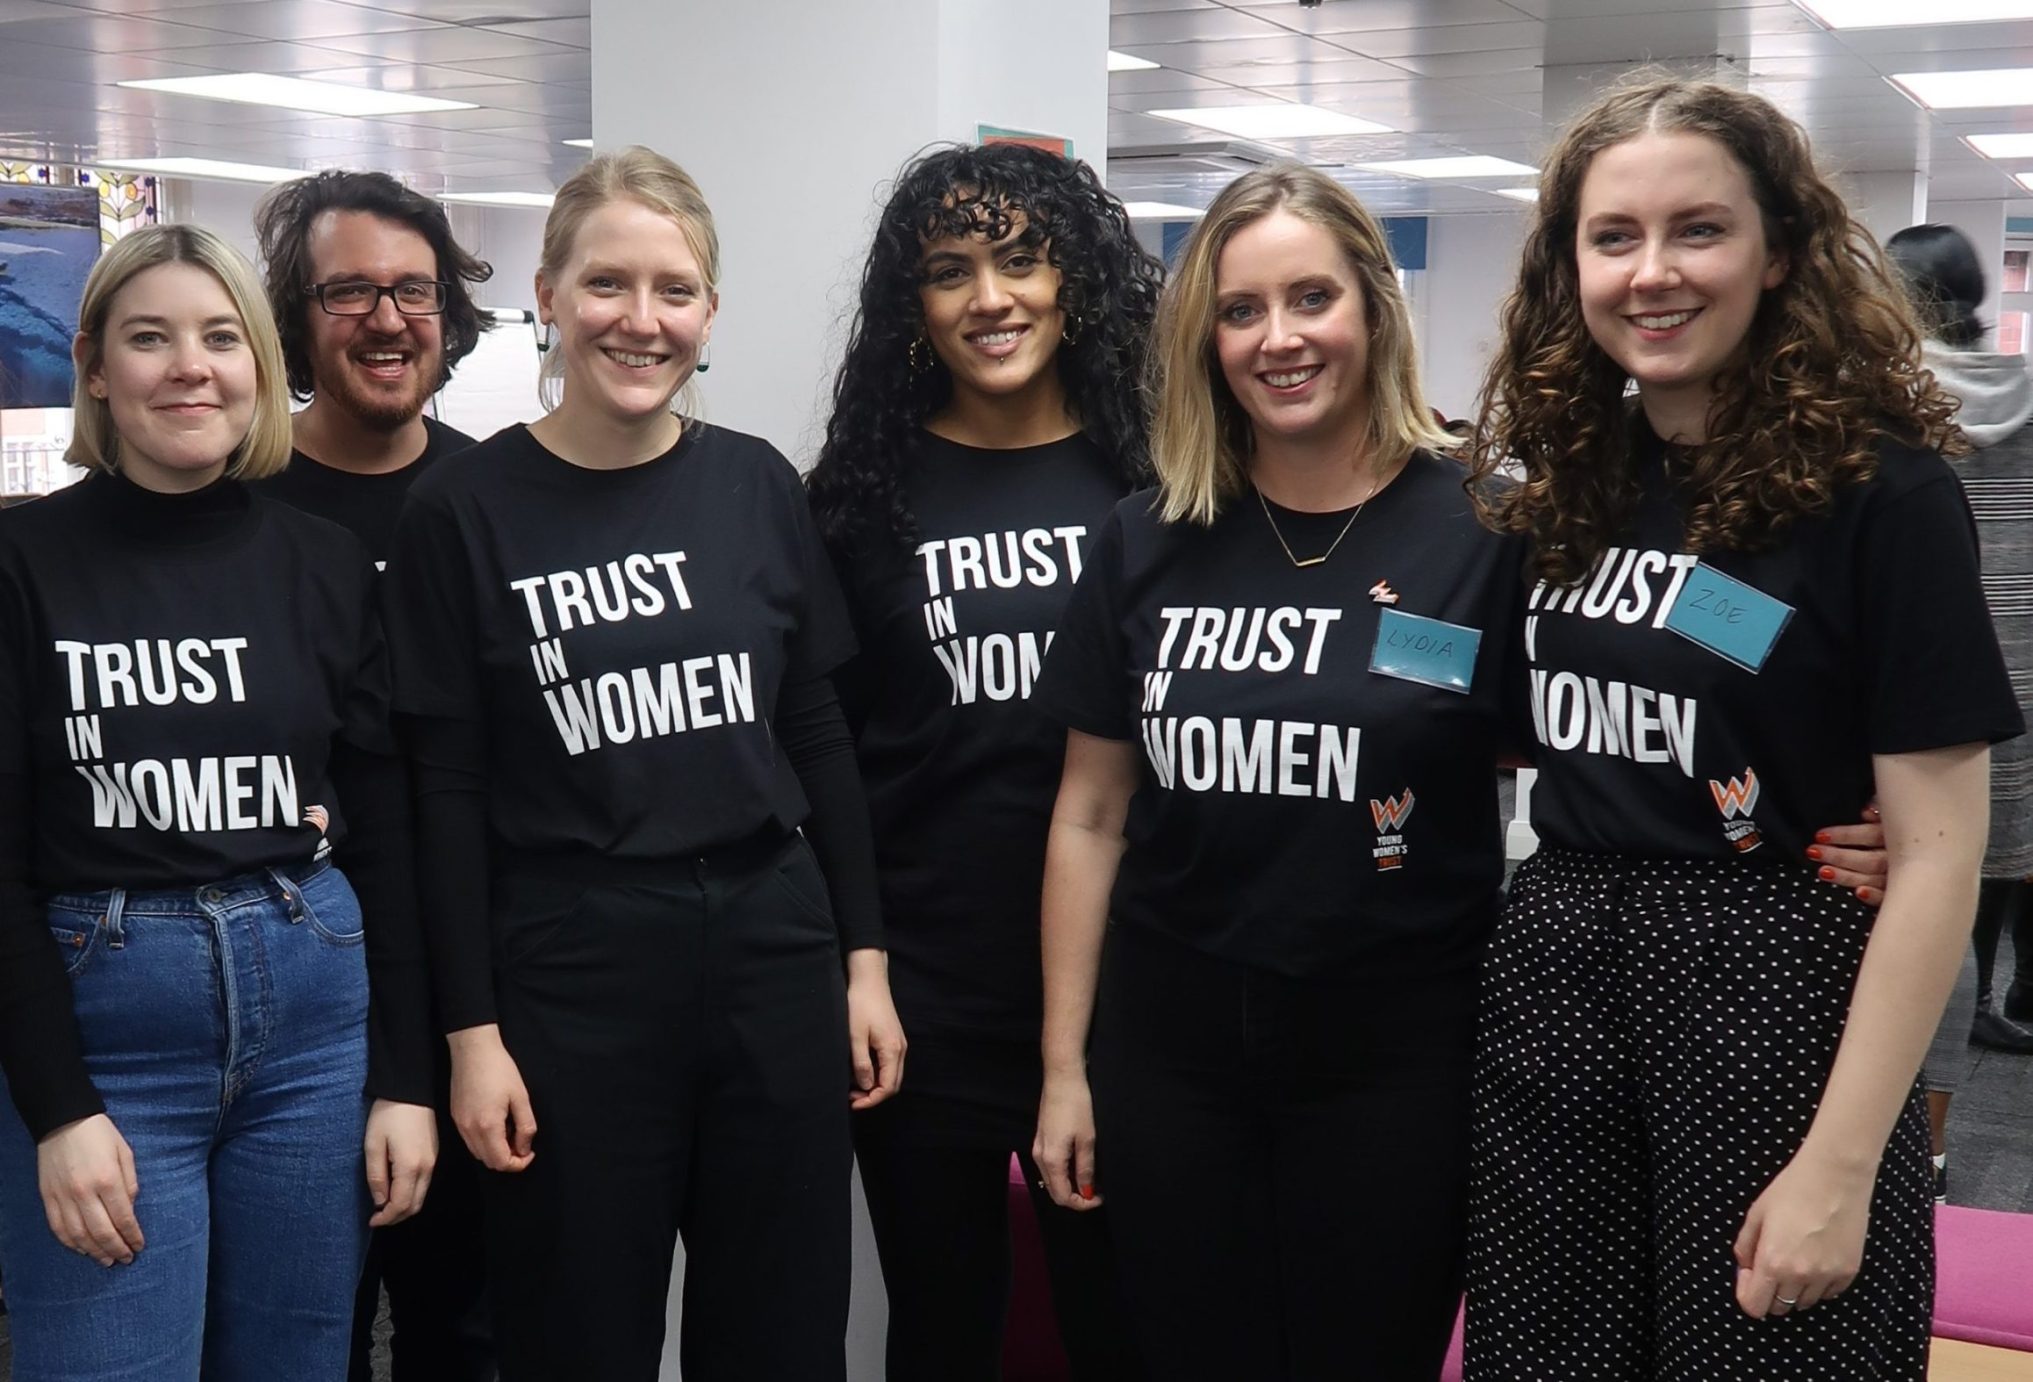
<point>225,1028</point>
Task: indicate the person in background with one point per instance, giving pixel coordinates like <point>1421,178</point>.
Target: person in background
<point>209,961</point>
<point>985,421</point>
<point>1939,267</point>
<point>649,849</point>
<point>374,301</point>
<point>1700,1147</point>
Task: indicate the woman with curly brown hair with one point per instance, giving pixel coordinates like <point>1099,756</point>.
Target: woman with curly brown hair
<point>1758,600</point>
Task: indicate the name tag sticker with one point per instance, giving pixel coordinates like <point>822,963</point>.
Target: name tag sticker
<point>1738,623</point>
<point>1431,652</point>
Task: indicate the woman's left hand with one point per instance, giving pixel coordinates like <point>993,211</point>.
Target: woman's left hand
<point>875,1035</point>
<point>402,1151</point>
<point>1803,1240</point>
<point>1853,856</point>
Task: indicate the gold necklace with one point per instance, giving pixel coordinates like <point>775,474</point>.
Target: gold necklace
<point>1312,561</point>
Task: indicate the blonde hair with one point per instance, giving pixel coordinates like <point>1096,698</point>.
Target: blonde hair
<point>95,442</point>
<point>1201,438</point>
<point>640,175</point>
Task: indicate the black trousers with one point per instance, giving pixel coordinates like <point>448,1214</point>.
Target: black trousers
<point>434,1266</point>
<point>2003,904</point>
<point>682,1030</point>
<point>1285,1163</point>
<point>1656,1037</point>
<point>936,1174</point>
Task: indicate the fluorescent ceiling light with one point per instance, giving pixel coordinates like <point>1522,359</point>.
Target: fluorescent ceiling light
<point>1998,86</point>
<point>1162,211</point>
<point>1124,62</point>
<point>578,143</point>
<point>1887,14</point>
<point>500,198</point>
<point>2002,145</point>
<point>2025,180</point>
<point>1466,166</point>
<point>1522,194</point>
<point>1278,120</point>
<point>297,93</point>
<point>202,169</point>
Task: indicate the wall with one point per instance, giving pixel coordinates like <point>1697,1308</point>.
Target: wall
<point>1471,263</point>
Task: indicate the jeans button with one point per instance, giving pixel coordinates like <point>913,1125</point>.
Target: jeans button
<point>214,895</point>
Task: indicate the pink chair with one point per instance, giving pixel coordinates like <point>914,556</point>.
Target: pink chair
<point>1983,1264</point>
<point>1030,1342</point>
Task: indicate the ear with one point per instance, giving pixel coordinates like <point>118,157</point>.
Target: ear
<point>544,295</point>
<point>1776,269</point>
<point>82,362</point>
<point>712,311</point>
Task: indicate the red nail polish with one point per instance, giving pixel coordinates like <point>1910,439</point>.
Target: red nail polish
<point>1827,874</point>
<point>1863,894</point>
<point>1813,853</point>
<point>1821,837</point>
<point>1086,1192</point>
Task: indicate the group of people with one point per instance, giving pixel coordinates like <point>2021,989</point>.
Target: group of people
<point>570,886</point>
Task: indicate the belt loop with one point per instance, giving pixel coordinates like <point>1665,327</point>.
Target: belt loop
<point>290,894</point>
<point>115,919</point>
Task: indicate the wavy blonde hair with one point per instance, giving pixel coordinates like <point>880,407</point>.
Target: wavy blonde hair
<point>1832,355</point>
<point>640,175</point>
<point>95,442</point>
<point>1201,439</point>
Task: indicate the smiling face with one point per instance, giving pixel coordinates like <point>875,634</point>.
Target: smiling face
<point>1672,262</point>
<point>633,309</point>
<point>1291,330</point>
<point>991,310</point>
<point>381,368</point>
<point>177,375</point>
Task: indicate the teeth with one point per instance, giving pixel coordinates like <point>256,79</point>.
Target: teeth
<point>1290,378</point>
<point>636,361</point>
<point>382,359</point>
<point>1665,323</point>
<point>995,338</point>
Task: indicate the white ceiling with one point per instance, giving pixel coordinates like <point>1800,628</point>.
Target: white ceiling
<point>1450,76</point>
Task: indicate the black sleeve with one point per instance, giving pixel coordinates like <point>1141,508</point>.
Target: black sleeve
<point>449,759</point>
<point>1082,684</point>
<point>376,855</point>
<point>814,736</point>
<point>1933,670</point>
<point>824,637</point>
<point>855,680</point>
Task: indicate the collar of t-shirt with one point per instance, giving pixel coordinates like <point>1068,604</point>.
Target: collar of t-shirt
<point>192,519</point>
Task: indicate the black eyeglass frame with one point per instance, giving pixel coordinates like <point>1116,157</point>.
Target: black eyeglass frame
<point>381,290</point>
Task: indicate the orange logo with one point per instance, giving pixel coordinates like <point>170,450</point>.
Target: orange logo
<point>1391,813</point>
<point>1740,798</point>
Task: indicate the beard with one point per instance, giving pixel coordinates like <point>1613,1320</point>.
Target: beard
<point>382,409</point>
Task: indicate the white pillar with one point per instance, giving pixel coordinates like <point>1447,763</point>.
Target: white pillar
<point>794,117</point>
<point>1984,224</point>
<point>1887,202</point>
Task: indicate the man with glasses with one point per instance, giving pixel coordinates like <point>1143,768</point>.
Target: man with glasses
<point>373,298</point>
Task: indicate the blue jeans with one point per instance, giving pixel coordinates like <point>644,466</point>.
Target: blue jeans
<point>225,1028</point>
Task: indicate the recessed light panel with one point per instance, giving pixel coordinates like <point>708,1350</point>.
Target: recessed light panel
<point>298,93</point>
<point>1124,62</point>
<point>1997,86</point>
<point>202,169</point>
<point>2002,145</point>
<point>1162,211</point>
<point>500,198</point>
<point>578,143</point>
<point>1279,120</point>
<point>1466,166</point>
<point>1888,14</point>
<point>1520,194</point>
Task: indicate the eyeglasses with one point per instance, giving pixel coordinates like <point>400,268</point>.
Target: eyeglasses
<point>416,297</point>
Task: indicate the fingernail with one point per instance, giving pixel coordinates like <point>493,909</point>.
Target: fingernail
<point>1813,853</point>
<point>1821,837</point>
<point>1086,1192</point>
<point>1863,894</point>
<point>1827,874</point>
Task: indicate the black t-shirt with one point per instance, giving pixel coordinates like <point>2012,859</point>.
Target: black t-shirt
<point>961,769</point>
<point>1653,743</point>
<point>1296,810</point>
<point>618,636</point>
<point>367,505</point>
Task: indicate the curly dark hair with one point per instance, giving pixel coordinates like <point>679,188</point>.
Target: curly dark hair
<point>283,222</point>
<point>1109,294</point>
<point>1831,360</point>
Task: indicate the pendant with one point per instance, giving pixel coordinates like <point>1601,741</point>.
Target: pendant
<point>1310,561</point>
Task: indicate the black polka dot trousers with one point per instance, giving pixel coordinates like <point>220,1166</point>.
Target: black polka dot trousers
<point>1655,1035</point>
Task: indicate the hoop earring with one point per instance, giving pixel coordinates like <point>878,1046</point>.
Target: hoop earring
<point>921,365</point>
<point>1070,332</point>
<point>705,358</point>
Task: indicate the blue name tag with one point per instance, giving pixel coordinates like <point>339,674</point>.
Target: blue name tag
<point>1431,652</point>
<point>1737,622</point>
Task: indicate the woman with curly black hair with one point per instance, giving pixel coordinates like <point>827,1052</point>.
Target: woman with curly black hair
<point>1700,1150</point>
<point>985,420</point>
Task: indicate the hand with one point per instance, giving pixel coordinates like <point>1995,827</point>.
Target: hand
<point>490,1103</point>
<point>402,1150</point>
<point>1064,1145</point>
<point>875,1035</point>
<point>86,1173</point>
<point>1853,856</point>
<point>1803,1240</point>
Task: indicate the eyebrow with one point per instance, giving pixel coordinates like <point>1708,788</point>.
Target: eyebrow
<point>145,319</point>
<point>1703,209</point>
